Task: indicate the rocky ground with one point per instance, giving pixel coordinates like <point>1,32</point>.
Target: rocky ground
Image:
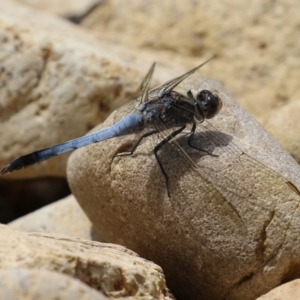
<point>228,230</point>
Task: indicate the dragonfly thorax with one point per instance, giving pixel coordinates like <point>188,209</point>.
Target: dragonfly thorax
<point>177,109</point>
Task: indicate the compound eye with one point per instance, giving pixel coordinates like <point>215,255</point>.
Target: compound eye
<point>208,103</point>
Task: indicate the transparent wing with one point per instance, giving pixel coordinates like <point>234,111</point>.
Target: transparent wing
<point>144,87</point>
<point>238,176</point>
<point>170,85</point>
<point>141,96</point>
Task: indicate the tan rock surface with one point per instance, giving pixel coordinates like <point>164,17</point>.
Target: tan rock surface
<point>29,284</point>
<point>64,216</point>
<point>257,42</point>
<point>284,125</point>
<point>287,291</point>
<point>230,229</point>
<point>111,269</point>
<point>57,82</point>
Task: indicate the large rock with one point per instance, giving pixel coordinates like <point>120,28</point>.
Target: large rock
<point>28,284</point>
<point>256,41</point>
<point>230,228</point>
<point>111,269</point>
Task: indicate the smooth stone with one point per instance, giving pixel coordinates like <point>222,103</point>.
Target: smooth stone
<point>229,230</point>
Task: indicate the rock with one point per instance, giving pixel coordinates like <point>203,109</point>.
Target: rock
<point>66,8</point>
<point>287,291</point>
<point>284,125</point>
<point>64,216</point>
<point>259,66</point>
<point>230,228</point>
<point>27,284</point>
<point>112,269</point>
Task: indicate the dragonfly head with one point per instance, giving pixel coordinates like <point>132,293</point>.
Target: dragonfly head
<point>208,104</point>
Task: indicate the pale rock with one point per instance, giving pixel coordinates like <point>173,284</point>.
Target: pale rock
<point>229,230</point>
<point>53,87</point>
<point>257,42</point>
<point>28,284</point>
<point>287,291</point>
<point>57,82</point>
<point>285,126</point>
<point>64,216</point>
<point>62,8</point>
<point>112,269</point>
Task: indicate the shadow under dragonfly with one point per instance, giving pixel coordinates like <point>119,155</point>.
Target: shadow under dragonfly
<point>182,164</point>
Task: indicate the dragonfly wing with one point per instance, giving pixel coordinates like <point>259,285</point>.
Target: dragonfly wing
<point>236,174</point>
<point>141,96</point>
<point>144,87</point>
<point>171,84</point>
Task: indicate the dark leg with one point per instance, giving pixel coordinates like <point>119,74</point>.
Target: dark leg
<point>192,146</point>
<point>137,143</point>
<point>157,148</point>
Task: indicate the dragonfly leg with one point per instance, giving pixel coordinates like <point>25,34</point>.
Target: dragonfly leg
<point>137,143</point>
<point>158,147</point>
<point>190,140</point>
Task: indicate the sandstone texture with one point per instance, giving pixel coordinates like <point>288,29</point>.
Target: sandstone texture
<point>112,269</point>
<point>229,230</point>
<point>29,284</point>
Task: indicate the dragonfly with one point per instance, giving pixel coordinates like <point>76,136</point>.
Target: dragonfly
<point>154,111</point>
<point>166,113</point>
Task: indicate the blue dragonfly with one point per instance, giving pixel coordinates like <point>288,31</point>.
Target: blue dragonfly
<point>153,111</point>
